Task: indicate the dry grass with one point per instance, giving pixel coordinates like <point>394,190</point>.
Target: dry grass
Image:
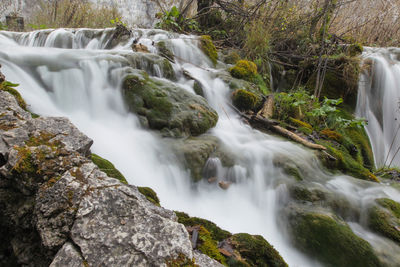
<point>73,14</point>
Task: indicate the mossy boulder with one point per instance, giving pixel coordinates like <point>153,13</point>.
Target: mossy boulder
<point>9,87</point>
<point>208,246</point>
<point>244,69</point>
<point>165,51</point>
<point>330,240</point>
<point>195,151</point>
<point>150,194</point>
<point>208,48</point>
<point>384,218</point>
<point>256,251</point>
<point>108,168</point>
<point>167,107</point>
<point>217,233</point>
<point>245,100</point>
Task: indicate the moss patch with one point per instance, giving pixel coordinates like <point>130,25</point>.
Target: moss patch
<point>385,221</point>
<point>208,245</point>
<point>256,251</point>
<point>8,87</point>
<point>107,167</point>
<point>165,51</point>
<point>216,232</point>
<point>331,241</point>
<point>244,69</point>
<point>209,48</point>
<point>181,261</point>
<point>245,100</point>
<point>150,195</point>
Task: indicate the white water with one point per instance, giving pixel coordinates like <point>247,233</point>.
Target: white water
<point>81,80</point>
<point>379,103</point>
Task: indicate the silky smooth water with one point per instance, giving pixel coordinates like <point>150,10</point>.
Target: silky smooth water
<point>66,73</point>
<point>379,103</point>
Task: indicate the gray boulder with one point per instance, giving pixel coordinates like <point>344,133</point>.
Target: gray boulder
<point>57,208</point>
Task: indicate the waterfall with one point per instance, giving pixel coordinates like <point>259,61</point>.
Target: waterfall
<point>379,102</point>
<point>77,73</point>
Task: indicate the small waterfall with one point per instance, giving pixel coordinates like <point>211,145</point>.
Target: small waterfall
<point>379,102</point>
<point>75,73</point>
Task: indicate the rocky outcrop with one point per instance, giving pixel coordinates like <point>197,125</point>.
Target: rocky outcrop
<point>58,208</point>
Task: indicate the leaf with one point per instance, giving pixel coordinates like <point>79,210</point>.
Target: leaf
<point>174,12</point>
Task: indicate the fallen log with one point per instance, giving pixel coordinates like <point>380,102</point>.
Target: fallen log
<point>267,110</point>
<point>282,131</point>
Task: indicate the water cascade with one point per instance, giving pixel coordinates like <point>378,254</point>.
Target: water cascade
<point>78,74</point>
<point>378,102</point>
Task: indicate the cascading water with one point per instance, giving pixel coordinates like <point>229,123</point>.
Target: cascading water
<point>78,74</point>
<point>379,103</point>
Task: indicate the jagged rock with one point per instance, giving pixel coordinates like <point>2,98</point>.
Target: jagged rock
<point>57,208</point>
<point>204,260</point>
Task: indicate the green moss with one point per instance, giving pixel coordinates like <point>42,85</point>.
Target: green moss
<point>333,135</point>
<point>208,48</point>
<point>168,70</point>
<point>217,233</point>
<point>304,130</point>
<point>355,49</point>
<point>245,100</point>
<point>165,51</point>
<point>150,195</point>
<point>391,205</point>
<point>331,241</point>
<point>245,70</point>
<point>360,139</point>
<point>256,251</point>
<point>346,163</point>
<point>107,167</point>
<point>181,261</point>
<point>293,171</point>
<point>208,246</point>
<point>198,89</point>
<point>8,87</point>
<point>24,163</point>
<point>383,222</point>
<point>300,123</point>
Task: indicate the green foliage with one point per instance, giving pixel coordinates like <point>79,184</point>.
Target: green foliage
<point>173,20</point>
<point>302,106</point>
<point>107,167</point>
<point>10,87</point>
<point>73,14</point>
<point>38,27</point>
<point>150,195</point>
<point>208,48</point>
<point>245,100</point>
<point>118,21</point>
<point>181,261</point>
<point>217,233</point>
<point>256,251</point>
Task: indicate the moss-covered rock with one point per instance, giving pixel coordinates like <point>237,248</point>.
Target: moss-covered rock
<point>167,107</point>
<point>208,246</point>
<point>245,100</point>
<point>150,195</point>
<point>9,87</point>
<point>217,233</point>
<point>107,167</point>
<point>330,240</point>
<point>355,49</point>
<point>165,51</point>
<point>385,218</point>
<point>244,69</point>
<point>208,48</point>
<point>256,251</point>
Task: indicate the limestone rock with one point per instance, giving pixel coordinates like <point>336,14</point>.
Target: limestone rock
<point>59,209</point>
